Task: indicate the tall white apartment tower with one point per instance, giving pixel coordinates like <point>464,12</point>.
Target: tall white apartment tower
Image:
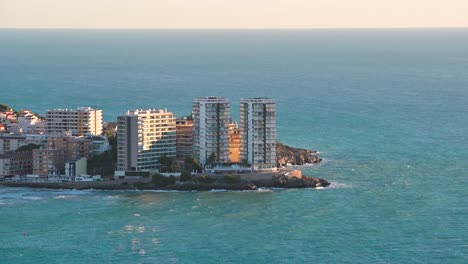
<point>258,133</point>
<point>143,136</point>
<point>211,118</point>
<point>80,121</point>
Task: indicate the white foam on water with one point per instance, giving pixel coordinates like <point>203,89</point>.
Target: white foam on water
<point>64,197</point>
<point>338,185</point>
<point>155,241</point>
<point>137,215</point>
<point>113,197</point>
<point>264,190</point>
<point>218,190</point>
<point>35,198</point>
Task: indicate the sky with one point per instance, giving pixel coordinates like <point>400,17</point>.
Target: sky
<point>232,14</point>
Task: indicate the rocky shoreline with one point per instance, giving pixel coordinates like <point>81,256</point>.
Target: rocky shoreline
<point>287,155</point>
<point>281,181</point>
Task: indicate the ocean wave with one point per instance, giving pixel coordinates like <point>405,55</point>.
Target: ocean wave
<point>338,185</point>
<point>64,196</point>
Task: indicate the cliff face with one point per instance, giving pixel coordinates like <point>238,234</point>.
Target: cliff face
<point>295,156</point>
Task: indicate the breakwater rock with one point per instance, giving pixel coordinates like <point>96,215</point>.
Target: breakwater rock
<point>287,155</point>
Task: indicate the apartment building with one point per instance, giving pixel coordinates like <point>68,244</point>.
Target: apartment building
<point>211,119</point>
<point>80,121</point>
<point>258,133</point>
<point>16,163</point>
<point>143,136</point>
<point>184,138</point>
<point>48,161</point>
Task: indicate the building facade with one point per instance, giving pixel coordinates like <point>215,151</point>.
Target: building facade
<point>258,133</point>
<point>76,168</point>
<point>16,163</point>
<point>143,136</point>
<point>73,148</point>
<point>80,121</point>
<point>211,119</point>
<point>10,142</point>
<point>184,138</point>
<point>48,161</point>
<point>234,143</point>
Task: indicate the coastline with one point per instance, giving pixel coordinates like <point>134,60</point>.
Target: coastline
<point>281,181</point>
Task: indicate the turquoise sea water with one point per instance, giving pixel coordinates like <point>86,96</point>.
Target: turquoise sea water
<point>388,110</point>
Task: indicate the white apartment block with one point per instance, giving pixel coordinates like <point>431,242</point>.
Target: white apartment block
<point>258,133</point>
<point>211,119</point>
<point>143,136</point>
<point>30,122</point>
<point>80,121</point>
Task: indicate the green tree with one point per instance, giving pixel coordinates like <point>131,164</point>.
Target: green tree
<point>28,147</point>
<point>211,159</point>
<point>204,179</point>
<point>104,163</point>
<point>185,176</point>
<point>191,164</point>
<point>160,180</point>
<point>166,163</point>
<point>231,179</point>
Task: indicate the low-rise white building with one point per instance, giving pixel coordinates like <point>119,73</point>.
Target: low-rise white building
<point>30,122</point>
<point>76,168</point>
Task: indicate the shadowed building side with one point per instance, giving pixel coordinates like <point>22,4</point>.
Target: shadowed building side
<point>143,136</point>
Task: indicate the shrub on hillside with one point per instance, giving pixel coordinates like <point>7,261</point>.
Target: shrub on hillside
<point>162,181</point>
<point>230,179</point>
<point>185,176</point>
<point>204,179</point>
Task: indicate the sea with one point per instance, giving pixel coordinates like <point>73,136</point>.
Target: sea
<point>386,109</point>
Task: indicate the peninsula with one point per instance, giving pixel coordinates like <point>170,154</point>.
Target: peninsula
<point>151,149</point>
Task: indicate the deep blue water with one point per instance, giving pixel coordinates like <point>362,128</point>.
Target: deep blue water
<point>388,109</point>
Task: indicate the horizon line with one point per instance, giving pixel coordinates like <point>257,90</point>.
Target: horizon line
<point>235,29</point>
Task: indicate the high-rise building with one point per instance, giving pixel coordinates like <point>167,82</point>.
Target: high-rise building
<point>211,118</point>
<point>258,133</point>
<point>143,136</point>
<point>184,138</point>
<point>80,121</point>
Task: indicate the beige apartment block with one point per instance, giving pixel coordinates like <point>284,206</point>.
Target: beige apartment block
<point>48,161</point>
<point>80,121</point>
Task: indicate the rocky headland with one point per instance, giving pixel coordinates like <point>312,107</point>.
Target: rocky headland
<point>287,155</point>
